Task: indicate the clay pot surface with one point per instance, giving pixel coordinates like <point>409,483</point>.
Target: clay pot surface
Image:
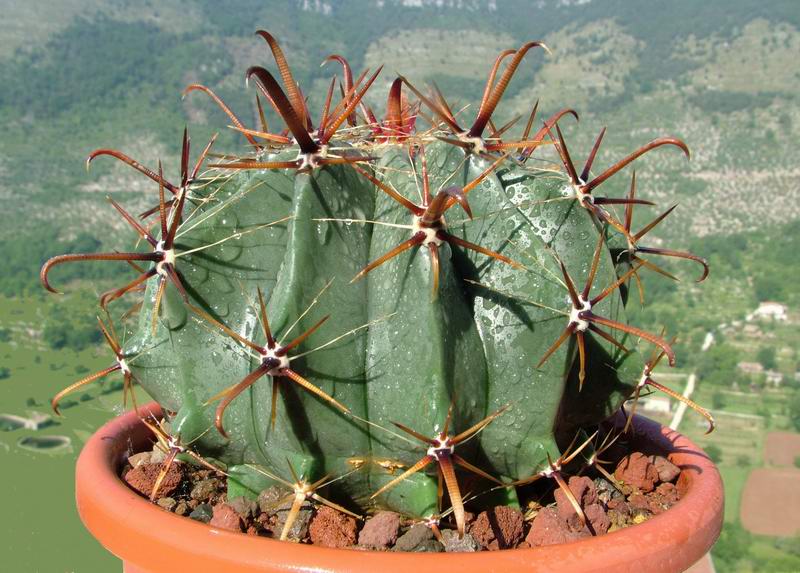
<point>149,539</point>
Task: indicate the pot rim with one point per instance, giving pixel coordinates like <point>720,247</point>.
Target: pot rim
<point>148,538</point>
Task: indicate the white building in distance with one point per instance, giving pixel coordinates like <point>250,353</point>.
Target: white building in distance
<point>770,310</point>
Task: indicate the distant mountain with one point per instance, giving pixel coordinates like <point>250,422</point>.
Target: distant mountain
<point>722,74</point>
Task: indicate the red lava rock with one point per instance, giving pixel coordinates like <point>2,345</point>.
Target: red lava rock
<point>637,470</point>
<point>638,501</point>
<point>380,531</point>
<point>143,477</point>
<point>549,529</point>
<point>331,528</point>
<point>667,471</point>
<point>598,519</point>
<point>664,497</point>
<point>499,528</point>
<point>619,505</point>
<point>225,517</point>
<point>668,491</point>
<point>584,491</point>
<point>615,502</point>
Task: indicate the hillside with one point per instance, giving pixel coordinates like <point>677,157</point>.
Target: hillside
<point>723,76</point>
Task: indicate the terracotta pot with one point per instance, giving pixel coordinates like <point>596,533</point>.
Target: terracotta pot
<point>149,539</point>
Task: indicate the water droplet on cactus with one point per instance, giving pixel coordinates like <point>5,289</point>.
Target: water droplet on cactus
<point>324,232</point>
<point>197,273</point>
<point>224,284</point>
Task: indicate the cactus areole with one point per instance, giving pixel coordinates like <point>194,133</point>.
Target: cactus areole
<point>385,309</point>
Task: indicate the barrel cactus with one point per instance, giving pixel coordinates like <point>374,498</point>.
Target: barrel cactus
<point>389,309</point>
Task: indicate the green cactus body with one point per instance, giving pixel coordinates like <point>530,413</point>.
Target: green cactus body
<point>292,262</point>
<point>401,346</point>
<point>428,354</point>
<point>546,222</point>
<point>472,347</point>
<point>524,214</point>
<point>186,361</point>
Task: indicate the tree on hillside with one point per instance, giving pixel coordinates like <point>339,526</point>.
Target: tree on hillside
<point>714,452</point>
<point>733,545</point>
<point>768,287</point>
<point>73,325</point>
<point>794,411</point>
<point>718,365</point>
<point>766,356</point>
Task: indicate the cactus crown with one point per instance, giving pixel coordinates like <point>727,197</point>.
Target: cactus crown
<point>359,301</point>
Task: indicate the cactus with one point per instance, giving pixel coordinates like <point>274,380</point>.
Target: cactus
<point>381,310</point>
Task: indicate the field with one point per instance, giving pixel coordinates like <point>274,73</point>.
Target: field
<point>782,448</point>
<point>740,441</point>
<point>755,454</point>
<point>771,502</point>
<point>40,530</point>
<point>733,478</point>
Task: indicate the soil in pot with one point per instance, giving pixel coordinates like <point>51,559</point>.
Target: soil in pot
<point>641,485</point>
